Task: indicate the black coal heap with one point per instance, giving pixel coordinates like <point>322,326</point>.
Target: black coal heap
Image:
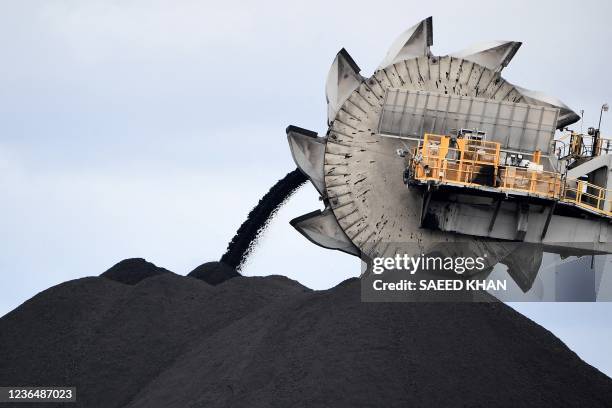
<point>214,273</point>
<point>133,270</point>
<point>173,341</point>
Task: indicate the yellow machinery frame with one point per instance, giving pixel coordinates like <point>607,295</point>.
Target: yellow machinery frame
<point>434,160</point>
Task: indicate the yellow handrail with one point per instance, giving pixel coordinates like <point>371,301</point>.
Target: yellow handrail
<point>475,163</point>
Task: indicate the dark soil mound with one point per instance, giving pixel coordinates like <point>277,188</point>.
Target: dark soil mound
<point>214,273</point>
<point>133,270</point>
<point>172,341</point>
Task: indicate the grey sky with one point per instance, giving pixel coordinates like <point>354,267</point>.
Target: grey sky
<point>150,128</point>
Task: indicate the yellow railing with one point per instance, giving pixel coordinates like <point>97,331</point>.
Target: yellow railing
<point>545,184</point>
<point>581,145</point>
<point>452,171</point>
<point>475,163</point>
<point>472,151</point>
<point>588,196</point>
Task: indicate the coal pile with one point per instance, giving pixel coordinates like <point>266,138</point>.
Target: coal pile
<point>245,238</point>
<point>133,270</point>
<point>214,273</point>
<point>173,341</point>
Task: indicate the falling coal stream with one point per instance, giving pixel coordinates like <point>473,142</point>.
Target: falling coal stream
<point>245,239</point>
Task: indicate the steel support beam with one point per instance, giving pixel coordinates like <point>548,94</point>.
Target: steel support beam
<point>548,218</point>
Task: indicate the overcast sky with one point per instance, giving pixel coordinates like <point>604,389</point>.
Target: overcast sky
<point>150,128</point>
